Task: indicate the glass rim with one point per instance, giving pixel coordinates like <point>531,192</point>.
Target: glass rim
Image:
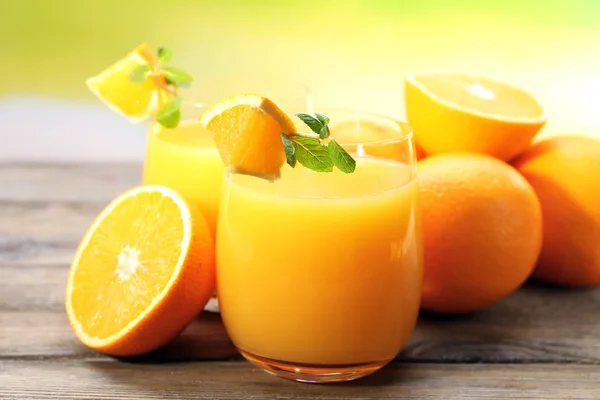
<point>404,132</point>
<point>405,129</point>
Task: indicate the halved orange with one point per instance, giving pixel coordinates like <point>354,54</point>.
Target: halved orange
<point>464,113</point>
<point>142,272</point>
<point>134,100</point>
<point>246,129</point>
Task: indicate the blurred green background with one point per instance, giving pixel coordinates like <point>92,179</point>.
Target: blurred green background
<point>350,52</point>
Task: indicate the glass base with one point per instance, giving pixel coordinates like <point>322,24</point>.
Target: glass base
<point>212,305</point>
<point>313,373</point>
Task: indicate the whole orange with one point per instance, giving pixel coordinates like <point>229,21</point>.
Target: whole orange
<point>565,173</point>
<point>482,231</point>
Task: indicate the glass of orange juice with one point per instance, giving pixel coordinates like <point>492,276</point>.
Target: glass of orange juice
<point>319,274</point>
<point>186,159</point>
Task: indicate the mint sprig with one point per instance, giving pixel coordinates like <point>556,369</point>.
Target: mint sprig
<point>312,154</point>
<point>170,115</point>
<point>308,149</point>
<point>290,150</point>
<point>175,75</point>
<point>164,55</point>
<point>139,74</point>
<point>340,157</point>
<point>174,79</point>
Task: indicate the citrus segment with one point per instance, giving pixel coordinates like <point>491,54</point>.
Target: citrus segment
<point>134,100</point>
<point>564,173</point>
<point>482,231</point>
<point>246,129</point>
<point>142,272</point>
<point>463,113</point>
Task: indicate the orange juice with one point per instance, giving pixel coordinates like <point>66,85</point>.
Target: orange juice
<point>321,269</point>
<point>186,160</point>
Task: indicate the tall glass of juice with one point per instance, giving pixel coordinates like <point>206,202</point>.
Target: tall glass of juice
<point>319,274</point>
<point>186,159</point>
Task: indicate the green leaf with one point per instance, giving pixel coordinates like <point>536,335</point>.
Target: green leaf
<point>341,158</point>
<point>164,55</point>
<point>170,115</point>
<point>176,75</point>
<point>324,132</point>
<point>324,119</point>
<point>139,74</point>
<point>290,150</point>
<point>314,124</point>
<point>311,154</point>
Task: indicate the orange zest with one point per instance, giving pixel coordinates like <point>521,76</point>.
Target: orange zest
<point>142,272</point>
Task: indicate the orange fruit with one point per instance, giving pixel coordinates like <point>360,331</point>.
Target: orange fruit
<point>246,129</point>
<point>564,173</point>
<point>142,272</point>
<point>482,231</point>
<point>136,101</point>
<point>462,113</point>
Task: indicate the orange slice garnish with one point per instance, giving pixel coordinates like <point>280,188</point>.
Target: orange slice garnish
<point>246,129</point>
<point>136,101</point>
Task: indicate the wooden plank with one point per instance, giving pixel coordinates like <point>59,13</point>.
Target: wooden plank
<point>535,324</point>
<point>43,233</point>
<point>27,335</point>
<point>63,222</point>
<point>106,379</point>
<point>71,183</point>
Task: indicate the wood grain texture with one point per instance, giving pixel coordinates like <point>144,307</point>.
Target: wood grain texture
<point>69,183</point>
<point>535,324</point>
<point>107,379</point>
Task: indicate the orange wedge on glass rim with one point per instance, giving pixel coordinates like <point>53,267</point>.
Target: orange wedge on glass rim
<point>136,101</point>
<point>246,129</point>
<point>142,272</point>
<point>465,113</point>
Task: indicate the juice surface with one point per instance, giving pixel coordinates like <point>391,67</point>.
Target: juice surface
<point>186,159</point>
<point>321,268</point>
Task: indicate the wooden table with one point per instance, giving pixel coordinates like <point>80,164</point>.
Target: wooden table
<point>539,343</point>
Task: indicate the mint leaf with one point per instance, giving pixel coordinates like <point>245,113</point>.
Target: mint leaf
<point>323,119</point>
<point>311,154</point>
<point>176,75</point>
<point>340,157</point>
<point>139,74</point>
<point>164,55</point>
<point>170,115</point>
<point>314,124</point>
<point>290,150</point>
<point>324,132</point>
